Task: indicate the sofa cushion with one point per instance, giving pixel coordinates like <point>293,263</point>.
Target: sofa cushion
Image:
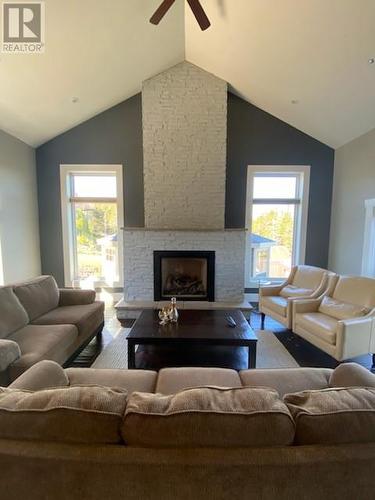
<point>208,417</point>
<point>87,318</point>
<point>131,380</point>
<point>355,290</point>
<point>38,296</point>
<point>318,324</point>
<point>285,380</point>
<point>341,310</point>
<point>43,375</point>
<point>351,375</point>
<point>277,304</point>
<point>81,414</point>
<point>172,380</point>
<point>12,314</point>
<point>296,291</point>
<point>334,416</point>
<point>308,277</point>
<point>41,342</point>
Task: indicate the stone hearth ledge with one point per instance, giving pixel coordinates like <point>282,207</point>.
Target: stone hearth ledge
<point>133,309</point>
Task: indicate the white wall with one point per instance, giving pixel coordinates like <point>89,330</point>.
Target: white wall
<point>354,182</point>
<point>19,231</point>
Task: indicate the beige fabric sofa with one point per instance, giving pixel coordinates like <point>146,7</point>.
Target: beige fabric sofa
<point>304,281</point>
<point>342,323</point>
<point>142,435</point>
<point>39,321</point>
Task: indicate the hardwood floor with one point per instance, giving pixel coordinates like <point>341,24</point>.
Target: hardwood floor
<point>302,351</point>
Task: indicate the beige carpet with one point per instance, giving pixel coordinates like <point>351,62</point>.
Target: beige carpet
<point>270,352</point>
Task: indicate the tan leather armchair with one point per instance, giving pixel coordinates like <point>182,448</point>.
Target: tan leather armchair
<point>303,282</point>
<point>342,323</point>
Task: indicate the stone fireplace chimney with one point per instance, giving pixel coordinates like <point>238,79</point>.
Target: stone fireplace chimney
<point>184,113</point>
<point>184,147</point>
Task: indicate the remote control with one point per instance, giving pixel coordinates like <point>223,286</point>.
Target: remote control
<point>230,321</point>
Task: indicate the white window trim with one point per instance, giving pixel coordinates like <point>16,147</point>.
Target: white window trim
<point>1,265</point>
<point>68,246</point>
<point>368,255</point>
<point>301,229</point>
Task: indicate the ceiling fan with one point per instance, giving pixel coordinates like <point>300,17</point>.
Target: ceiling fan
<point>195,6</point>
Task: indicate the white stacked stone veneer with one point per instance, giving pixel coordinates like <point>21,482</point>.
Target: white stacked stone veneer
<point>229,247</point>
<point>184,149</point>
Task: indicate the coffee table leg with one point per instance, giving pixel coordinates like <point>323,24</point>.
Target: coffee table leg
<point>131,355</point>
<point>252,355</point>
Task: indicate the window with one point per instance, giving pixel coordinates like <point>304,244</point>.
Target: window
<point>277,200</point>
<point>92,209</point>
<point>1,266</point>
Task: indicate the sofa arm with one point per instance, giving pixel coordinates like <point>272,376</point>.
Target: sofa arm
<point>354,337</point>
<point>351,375</point>
<point>76,297</point>
<point>9,353</point>
<point>301,306</point>
<point>42,375</point>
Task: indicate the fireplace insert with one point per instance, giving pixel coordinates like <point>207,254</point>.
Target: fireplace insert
<point>186,275</point>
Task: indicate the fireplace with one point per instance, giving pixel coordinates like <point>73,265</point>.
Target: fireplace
<point>186,275</point>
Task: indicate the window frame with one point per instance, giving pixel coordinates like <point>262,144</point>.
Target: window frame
<point>301,201</point>
<point>368,251</point>
<point>67,219</point>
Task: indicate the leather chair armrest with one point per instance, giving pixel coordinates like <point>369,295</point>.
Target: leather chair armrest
<point>42,375</point>
<point>9,353</point>
<point>271,290</point>
<point>76,297</point>
<point>354,336</point>
<point>359,319</point>
<point>301,306</point>
<point>322,288</point>
<point>351,375</point>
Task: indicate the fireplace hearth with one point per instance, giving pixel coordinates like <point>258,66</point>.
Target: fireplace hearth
<point>186,275</point>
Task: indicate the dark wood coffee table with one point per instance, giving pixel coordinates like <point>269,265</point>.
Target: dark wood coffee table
<point>194,327</point>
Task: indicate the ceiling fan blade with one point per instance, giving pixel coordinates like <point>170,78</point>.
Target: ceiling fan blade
<point>199,14</point>
<point>161,11</point>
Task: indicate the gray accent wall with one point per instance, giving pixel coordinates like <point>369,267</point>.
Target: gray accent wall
<point>258,138</point>
<point>112,137</point>
<point>115,137</point>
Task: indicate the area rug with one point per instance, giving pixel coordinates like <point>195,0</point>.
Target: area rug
<point>270,352</point>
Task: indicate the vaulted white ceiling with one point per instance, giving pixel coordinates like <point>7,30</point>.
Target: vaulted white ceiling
<point>97,50</point>
<point>271,52</point>
<point>316,52</point>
